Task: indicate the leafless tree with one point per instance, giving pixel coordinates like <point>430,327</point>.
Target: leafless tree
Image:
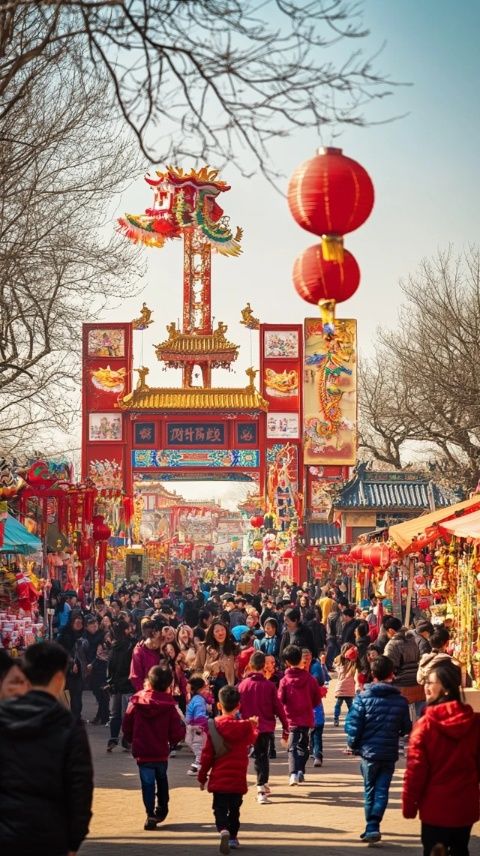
<point>208,79</point>
<point>424,383</point>
<point>62,160</point>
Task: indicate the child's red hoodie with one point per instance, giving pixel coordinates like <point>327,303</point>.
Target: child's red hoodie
<point>229,772</point>
<point>299,693</point>
<point>151,724</point>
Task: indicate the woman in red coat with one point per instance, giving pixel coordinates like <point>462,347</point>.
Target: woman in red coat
<point>443,767</point>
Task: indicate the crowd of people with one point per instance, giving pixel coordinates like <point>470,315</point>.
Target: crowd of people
<point>218,669</point>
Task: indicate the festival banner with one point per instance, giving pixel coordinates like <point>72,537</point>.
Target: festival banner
<point>107,370</point>
<point>330,393</point>
<point>281,365</point>
<point>320,483</point>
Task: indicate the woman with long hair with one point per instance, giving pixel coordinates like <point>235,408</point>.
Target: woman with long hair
<point>216,657</point>
<point>443,765</point>
<point>184,639</point>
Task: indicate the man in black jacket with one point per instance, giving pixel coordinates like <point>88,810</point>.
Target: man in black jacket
<point>46,775</point>
<point>297,633</point>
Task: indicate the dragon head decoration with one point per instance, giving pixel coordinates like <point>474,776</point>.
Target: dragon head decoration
<point>181,201</point>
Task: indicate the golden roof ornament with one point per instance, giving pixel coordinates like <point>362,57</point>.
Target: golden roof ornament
<point>248,320</point>
<point>143,371</point>
<point>144,320</point>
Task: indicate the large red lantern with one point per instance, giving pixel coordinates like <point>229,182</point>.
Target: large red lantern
<point>330,195</point>
<point>316,279</point>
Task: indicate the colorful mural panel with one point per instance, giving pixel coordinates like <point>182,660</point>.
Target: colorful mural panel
<point>104,426</point>
<point>104,342</point>
<point>283,426</point>
<point>281,344</point>
<point>182,458</point>
<point>330,393</point>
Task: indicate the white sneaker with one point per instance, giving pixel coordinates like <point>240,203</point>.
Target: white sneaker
<point>224,841</point>
<point>293,780</point>
<point>300,777</point>
<point>262,799</point>
<point>193,771</point>
<point>173,753</point>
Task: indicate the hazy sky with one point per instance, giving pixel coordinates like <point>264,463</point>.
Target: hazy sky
<point>424,168</point>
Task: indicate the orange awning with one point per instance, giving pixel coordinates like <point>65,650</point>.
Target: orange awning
<point>411,534</point>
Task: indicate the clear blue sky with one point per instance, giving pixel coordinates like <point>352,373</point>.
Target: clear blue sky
<point>425,171</point>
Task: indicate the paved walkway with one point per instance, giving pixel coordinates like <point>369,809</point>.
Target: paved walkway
<point>325,813</point>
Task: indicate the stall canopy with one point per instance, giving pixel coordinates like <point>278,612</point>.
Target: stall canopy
<point>17,539</point>
<point>467,526</point>
<point>410,535</point>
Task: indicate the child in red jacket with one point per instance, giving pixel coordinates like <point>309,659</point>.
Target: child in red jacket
<point>227,764</point>
<point>299,693</point>
<point>151,724</point>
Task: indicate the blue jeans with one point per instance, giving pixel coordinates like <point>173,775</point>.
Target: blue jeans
<point>298,749</point>
<point>151,774</point>
<point>316,741</point>
<point>118,706</point>
<point>338,705</point>
<point>377,776</point>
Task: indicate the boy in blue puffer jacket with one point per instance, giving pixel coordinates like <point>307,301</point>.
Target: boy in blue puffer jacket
<point>377,718</point>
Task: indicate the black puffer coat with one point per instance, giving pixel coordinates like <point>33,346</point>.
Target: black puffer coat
<point>404,654</point>
<point>46,778</point>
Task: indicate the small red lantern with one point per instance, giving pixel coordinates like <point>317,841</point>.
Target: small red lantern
<point>287,554</point>
<point>330,195</point>
<point>316,279</point>
<point>101,532</point>
<point>256,522</point>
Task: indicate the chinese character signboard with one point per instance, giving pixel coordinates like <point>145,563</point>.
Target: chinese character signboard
<point>195,434</point>
<point>330,393</point>
<point>144,433</point>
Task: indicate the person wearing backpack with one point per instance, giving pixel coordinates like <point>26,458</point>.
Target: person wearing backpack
<point>224,762</point>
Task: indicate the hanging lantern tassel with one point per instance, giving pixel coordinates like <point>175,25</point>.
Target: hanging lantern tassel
<point>332,248</point>
<point>102,562</point>
<point>327,314</point>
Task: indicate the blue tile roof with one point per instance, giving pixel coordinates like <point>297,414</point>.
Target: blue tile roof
<point>396,490</point>
<point>323,534</point>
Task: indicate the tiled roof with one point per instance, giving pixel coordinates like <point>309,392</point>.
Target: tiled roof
<point>196,398</point>
<point>395,490</point>
<point>323,534</point>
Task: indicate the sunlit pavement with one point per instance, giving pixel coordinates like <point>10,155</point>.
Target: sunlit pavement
<point>325,813</point>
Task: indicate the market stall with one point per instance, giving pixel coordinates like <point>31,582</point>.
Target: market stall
<point>19,587</point>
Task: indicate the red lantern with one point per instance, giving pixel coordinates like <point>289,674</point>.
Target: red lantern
<point>356,552</point>
<point>101,532</point>
<point>287,554</point>
<point>330,195</point>
<point>316,279</point>
<point>256,522</point>
<point>377,555</point>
